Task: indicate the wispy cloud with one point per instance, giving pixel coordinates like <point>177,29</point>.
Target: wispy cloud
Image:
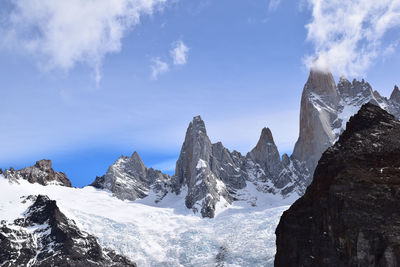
<point>61,34</point>
<point>273,4</point>
<point>348,36</point>
<point>179,53</point>
<point>158,67</point>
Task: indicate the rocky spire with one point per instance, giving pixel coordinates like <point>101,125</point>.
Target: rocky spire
<point>196,167</point>
<point>322,84</point>
<point>137,164</point>
<point>196,146</point>
<point>317,113</point>
<point>41,173</point>
<point>266,154</point>
<point>395,96</point>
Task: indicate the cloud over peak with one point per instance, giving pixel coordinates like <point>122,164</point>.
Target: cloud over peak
<point>348,36</point>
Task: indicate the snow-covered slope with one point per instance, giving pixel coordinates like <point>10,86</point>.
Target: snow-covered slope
<point>167,234</point>
<point>44,236</point>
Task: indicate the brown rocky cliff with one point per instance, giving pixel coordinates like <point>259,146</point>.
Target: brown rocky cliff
<point>317,112</point>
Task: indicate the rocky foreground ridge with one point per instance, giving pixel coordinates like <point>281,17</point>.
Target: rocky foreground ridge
<point>44,236</point>
<point>350,214</point>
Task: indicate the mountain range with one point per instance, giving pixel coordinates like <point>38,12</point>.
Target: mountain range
<point>210,181</point>
<point>212,177</point>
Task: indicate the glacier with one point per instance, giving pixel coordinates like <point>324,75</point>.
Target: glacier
<point>163,234</point>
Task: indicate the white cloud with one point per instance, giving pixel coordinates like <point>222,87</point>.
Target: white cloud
<point>349,35</point>
<point>273,4</point>
<point>61,34</point>
<point>179,53</point>
<point>158,67</point>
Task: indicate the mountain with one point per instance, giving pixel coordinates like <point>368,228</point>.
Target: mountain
<point>161,222</point>
<point>40,173</point>
<point>212,177</point>
<point>128,178</point>
<point>350,214</point>
<point>44,236</point>
<point>209,175</point>
<point>162,234</point>
<point>325,108</point>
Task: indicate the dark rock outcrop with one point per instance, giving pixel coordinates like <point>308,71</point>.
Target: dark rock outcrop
<point>350,214</point>
<point>46,237</point>
<point>40,173</point>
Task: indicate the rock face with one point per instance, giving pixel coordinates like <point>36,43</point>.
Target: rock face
<point>202,168</point>
<point>214,177</point>
<point>46,237</point>
<point>350,214</point>
<point>319,103</point>
<point>325,109</point>
<point>41,173</point>
<point>128,178</point>
<point>266,154</point>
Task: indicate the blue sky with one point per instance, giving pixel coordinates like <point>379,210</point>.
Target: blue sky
<point>83,84</point>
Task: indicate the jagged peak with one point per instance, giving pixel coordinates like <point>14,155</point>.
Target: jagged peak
<point>321,82</point>
<point>395,96</point>
<point>135,156</point>
<point>356,82</point>
<point>266,137</point>
<point>44,164</point>
<point>197,125</point>
<point>285,159</point>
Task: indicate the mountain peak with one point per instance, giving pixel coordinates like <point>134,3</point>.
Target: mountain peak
<point>266,136</point>
<point>321,82</point>
<point>266,154</point>
<point>395,96</point>
<point>41,173</point>
<point>197,126</point>
<point>43,164</point>
<point>136,158</point>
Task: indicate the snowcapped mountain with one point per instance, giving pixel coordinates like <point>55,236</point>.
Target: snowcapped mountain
<point>212,177</point>
<point>129,179</point>
<point>209,175</point>
<point>41,173</point>
<point>44,236</point>
<point>155,219</point>
<point>163,234</point>
<point>325,109</point>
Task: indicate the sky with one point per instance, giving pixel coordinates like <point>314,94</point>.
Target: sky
<point>84,82</point>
